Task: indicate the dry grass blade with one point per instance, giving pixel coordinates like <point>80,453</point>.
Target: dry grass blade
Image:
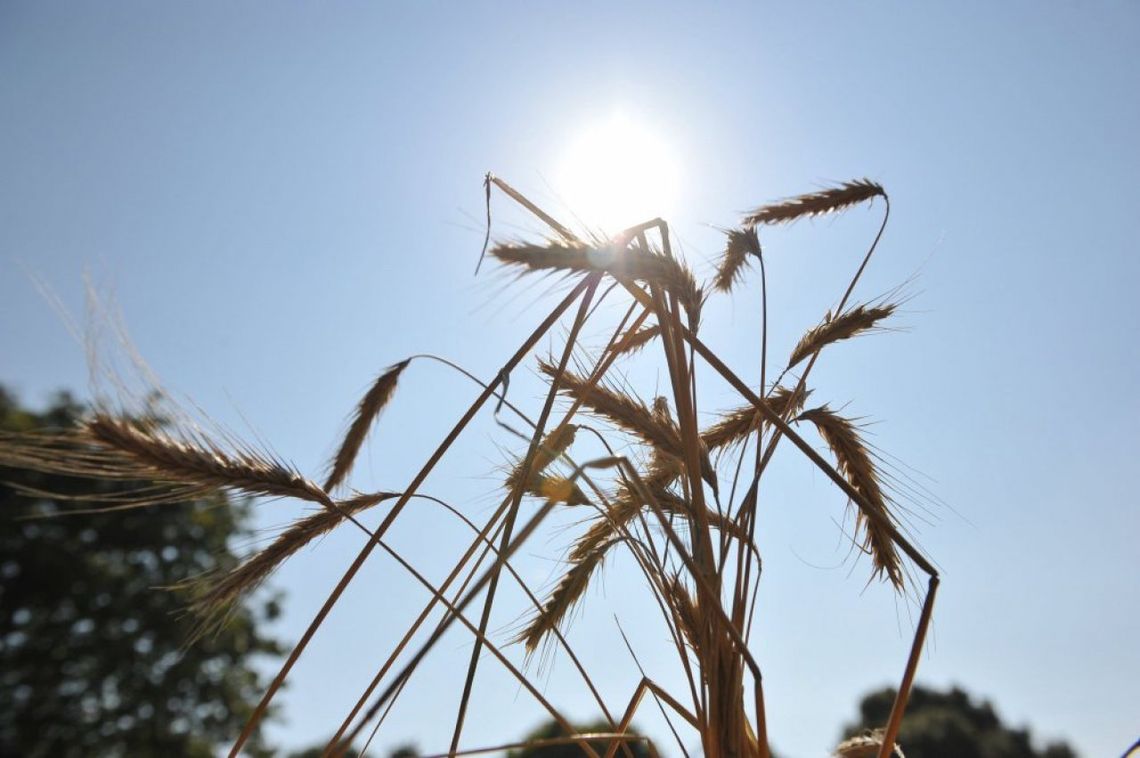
<point>816,203</point>
<point>734,426</point>
<point>204,463</point>
<point>629,262</point>
<point>858,467</point>
<point>740,244</point>
<point>366,413</point>
<point>213,596</point>
<point>864,746</point>
<point>852,322</point>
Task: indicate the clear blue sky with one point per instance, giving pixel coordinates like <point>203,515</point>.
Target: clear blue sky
<point>286,198</point>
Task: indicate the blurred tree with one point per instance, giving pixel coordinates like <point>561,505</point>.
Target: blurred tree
<point>94,657</point>
<point>950,725</point>
<point>553,729</point>
<point>316,751</point>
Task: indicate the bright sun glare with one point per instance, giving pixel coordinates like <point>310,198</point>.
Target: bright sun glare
<point>617,173</point>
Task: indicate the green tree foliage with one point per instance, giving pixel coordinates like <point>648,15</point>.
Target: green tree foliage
<point>553,729</point>
<point>951,725</point>
<point>316,751</point>
<point>94,654</point>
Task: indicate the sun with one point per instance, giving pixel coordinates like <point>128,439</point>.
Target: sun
<point>617,173</point>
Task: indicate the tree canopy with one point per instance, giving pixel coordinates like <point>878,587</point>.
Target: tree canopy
<point>552,729</point>
<point>94,646</point>
<point>951,725</point>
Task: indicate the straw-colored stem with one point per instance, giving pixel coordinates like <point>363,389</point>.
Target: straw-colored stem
<point>508,528</point>
<point>338,590</point>
<point>899,708</point>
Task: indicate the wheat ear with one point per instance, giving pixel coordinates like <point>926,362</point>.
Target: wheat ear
<point>816,203</point>
<point>367,412</point>
<point>626,412</point>
<point>560,602</point>
<point>204,463</point>
<point>632,342</point>
<point>852,322</point>
<point>630,262</point>
<point>867,745</point>
<point>740,244</point>
<point>734,426</point>
<point>215,596</point>
<point>858,468</point>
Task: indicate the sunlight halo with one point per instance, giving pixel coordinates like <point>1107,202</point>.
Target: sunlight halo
<point>616,173</point>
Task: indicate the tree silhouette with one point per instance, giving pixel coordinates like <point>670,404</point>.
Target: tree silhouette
<point>551,729</point>
<point>951,725</point>
<point>94,653</point>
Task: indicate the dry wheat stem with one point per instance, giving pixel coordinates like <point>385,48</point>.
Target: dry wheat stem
<point>456,612</point>
<point>489,542</point>
<point>428,466</point>
<point>670,489</point>
<point>488,533</point>
<point>603,365</point>
<point>547,742</point>
<point>508,527</point>
<point>474,592</point>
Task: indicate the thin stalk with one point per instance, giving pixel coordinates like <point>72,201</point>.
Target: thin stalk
<point>591,283</point>
<point>337,591</point>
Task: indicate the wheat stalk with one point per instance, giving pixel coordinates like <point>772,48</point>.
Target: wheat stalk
<point>705,597</point>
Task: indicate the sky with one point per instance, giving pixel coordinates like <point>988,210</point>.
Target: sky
<point>282,200</point>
